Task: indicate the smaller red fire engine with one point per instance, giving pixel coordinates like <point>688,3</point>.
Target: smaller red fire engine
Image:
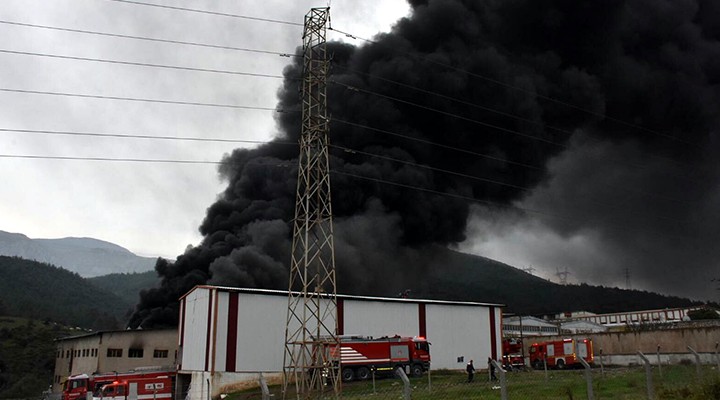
<point>513,354</point>
<point>360,356</point>
<point>561,353</point>
<point>141,385</point>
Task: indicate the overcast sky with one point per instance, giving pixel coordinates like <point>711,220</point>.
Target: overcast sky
<point>636,192</point>
<point>149,208</point>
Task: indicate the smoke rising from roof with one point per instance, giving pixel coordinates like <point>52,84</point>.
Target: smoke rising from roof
<point>622,183</point>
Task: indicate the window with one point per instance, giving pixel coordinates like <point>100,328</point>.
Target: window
<point>135,353</point>
<point>160,353</point>
<point>94,352</point>
<point>114,352</point>
<point>67,354</point>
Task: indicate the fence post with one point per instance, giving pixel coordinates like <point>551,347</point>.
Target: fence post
<point>588,378</point>
<point>659,362</point>
<point>697,360</point>
<point>648,375</point>
<point>429,381</point>
<point>406,382</point>
<point>545,366</point>
<point>717,357</point>
<point>602,365</point>
<point>503,382</point>
<point>264,388</point>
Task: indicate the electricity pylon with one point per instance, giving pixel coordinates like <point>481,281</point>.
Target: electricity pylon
<point>311,361</point>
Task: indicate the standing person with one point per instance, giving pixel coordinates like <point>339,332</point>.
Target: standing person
<point>491,368</point>
<point>470,371</point>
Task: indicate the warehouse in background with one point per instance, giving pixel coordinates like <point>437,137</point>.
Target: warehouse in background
<point>227,336</point>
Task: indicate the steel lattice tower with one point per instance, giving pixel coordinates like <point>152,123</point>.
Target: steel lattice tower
<point>311,330</point>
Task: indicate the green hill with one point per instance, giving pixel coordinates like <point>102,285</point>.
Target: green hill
<point>126,286</point>
<point>41,291</point>
<point>27,356</point>
<point>473,278</point>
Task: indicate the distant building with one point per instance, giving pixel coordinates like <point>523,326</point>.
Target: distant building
<point>114,351</point>
<point>582,326</point>
<point>518,326</point>
<point>665,315</point>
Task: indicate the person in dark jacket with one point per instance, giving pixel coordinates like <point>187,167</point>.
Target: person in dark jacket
<point>470,371</point>
<point>491,367</point>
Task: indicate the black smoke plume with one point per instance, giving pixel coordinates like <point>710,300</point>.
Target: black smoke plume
<point>527,80</point>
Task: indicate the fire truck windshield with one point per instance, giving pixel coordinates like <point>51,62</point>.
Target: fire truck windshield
<point>422,346</point>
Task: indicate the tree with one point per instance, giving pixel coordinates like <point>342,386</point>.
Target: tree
<point>703,313</point>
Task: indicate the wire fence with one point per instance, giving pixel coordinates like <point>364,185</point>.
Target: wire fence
<point>666,382</point>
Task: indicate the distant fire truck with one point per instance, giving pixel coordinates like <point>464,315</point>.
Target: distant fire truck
<point>513,354</point>
<point>140,388</point>
<point>117,386</point>
<point>561,353</point>
<point>360,356</point>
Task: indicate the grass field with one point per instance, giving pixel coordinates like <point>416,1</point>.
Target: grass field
<point>676,382</point>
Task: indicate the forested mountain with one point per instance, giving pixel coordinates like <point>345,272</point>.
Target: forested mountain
<point>126,286</point>
<point>86,256</point>
<point>27,356</point>
<point>474,278</point>
<point>45,292</point>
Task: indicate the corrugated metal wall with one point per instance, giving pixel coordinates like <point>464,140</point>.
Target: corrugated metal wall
<point>234,331</point>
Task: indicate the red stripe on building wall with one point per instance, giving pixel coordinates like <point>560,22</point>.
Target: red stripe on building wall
<point>182,320</point>
<point>493,335</point>
<point>340,316</point>
<point>422,320</point>
<point>207,335</point>
<point>232,332</point>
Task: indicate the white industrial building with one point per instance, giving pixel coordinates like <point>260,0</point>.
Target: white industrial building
<point>227,336</point>
<point>520,326</point>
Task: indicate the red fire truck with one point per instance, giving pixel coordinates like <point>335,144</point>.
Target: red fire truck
<point>77,386</point>
<point>513,354</point>
<point>561,353</point>
<point>360,356</point>
<point>158,387</point>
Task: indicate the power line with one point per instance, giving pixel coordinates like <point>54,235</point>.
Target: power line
<point>187,103</point>
<point>276,21</point>
<point>526,91</point>
<point>288,165</point>
<point>458,149</point>
<point>449,114</point>
<point>291,143</point>
<point>139,64</point>
<point>145,38</point>
<point>455,99</point>
<point>416,165</point>
<point>151,137</point>
<point>143,160</point>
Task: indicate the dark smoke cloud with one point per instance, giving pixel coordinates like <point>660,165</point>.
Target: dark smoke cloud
<point>654,64</point>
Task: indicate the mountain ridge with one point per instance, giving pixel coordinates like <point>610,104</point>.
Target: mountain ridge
<point>86,256</point>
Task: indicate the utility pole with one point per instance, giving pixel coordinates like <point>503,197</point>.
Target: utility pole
<point>627,278</point>
<point>562,275</point>
<point>312,358</point>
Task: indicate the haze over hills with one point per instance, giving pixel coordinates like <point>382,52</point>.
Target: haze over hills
<point>45,291</point>
<point>86,256</point>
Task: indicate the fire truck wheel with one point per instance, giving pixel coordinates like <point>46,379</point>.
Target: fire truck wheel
<point>348,374</point>
<point>560,364</point>
<point>537,364</point>
<point>417,370</point>
<point>363,373</point>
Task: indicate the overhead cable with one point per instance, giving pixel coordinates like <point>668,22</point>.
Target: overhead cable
<point>194,10</point>
<point>187,103</point>
<point>145,38</point>
<point>526,91</point>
